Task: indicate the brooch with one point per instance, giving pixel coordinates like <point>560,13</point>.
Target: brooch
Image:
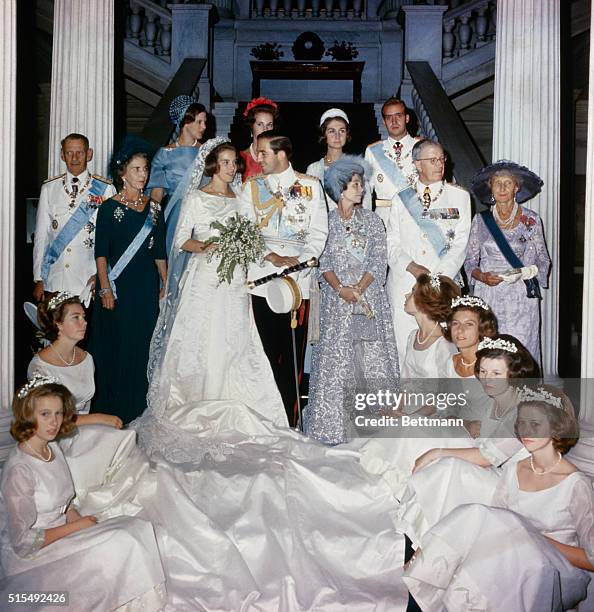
<point>151,242</point>
<point>118,213</point>
<point>155,209</point>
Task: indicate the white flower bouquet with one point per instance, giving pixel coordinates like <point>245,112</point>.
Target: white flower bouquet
<point>239,243</point>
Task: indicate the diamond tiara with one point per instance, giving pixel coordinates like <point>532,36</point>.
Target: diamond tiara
<point>60,297</point>
<point>499,343</point>
<point>36,381</point>
<point>470,300</point>
<point>540,394</point>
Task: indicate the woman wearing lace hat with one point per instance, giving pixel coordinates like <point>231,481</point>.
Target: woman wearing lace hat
<point>169,166</point>
<point>506,247</point>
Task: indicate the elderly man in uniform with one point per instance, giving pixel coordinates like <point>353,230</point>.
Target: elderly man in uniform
<point>391,159</point>
<point>63,251</point>
<point>427,231</point>
<point>291,213</point>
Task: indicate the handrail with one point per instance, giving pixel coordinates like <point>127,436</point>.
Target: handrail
<point>163,13</point>
<point>446,123</point>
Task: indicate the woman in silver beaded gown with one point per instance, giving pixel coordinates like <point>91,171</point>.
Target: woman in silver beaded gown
<point>357,348</point>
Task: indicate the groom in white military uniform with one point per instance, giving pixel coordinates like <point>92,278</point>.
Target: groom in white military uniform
<point>291,212</point>
<point>391,159</point>
<point>63,251</point>
<point>427,231</point>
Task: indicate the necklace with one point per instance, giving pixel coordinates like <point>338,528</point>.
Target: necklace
<point>347,223</point>
<point>49,450</point>
<point>506,223</point>
<point>421,342</point>
<point>466,365</point>
<point>546,470</point>
<point>178,144</point>
<point>62,358</point>
<point>252,153</point>
<point>131,203</point>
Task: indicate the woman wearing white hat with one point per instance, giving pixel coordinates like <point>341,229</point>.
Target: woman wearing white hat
<point>334,133</point>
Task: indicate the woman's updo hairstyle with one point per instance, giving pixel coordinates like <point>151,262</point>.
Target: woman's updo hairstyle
<point>211,162</point>
<point>260,105</point>
<point>487,319</point>
<point>52,311</point>
<point>434,294</point>
<point>191,113</point>
<point>122,164</point>
<point>520,363</point>
<point>324,126</point>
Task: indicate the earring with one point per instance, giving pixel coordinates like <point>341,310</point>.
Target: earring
<point>492,199</point>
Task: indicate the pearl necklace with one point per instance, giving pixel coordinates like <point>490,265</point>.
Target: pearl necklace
<point>62,358</point>
<point>505,223</point>
<point>178,144</point>
<point>545,471</point>
<point>39,454</point>
<point>466,365</point>
<point>421,342</point>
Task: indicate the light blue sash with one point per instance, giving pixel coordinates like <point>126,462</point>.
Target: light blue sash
<point>132,249</point>
<point>74,225</point>
<point>389,167</point>
<point>412,204</point>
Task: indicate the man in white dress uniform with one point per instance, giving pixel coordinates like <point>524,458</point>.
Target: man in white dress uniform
<point>63,250</point>
<point>427,231</point>
<point>291,212</point>
<point>391,159</point>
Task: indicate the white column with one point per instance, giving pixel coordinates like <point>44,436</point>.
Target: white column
<point>82,78</point>
<point>8,50</point>
<point>527,89</point>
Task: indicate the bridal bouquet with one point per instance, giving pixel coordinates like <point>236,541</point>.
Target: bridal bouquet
<point>239,243</point>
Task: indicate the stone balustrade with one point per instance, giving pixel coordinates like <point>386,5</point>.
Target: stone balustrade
<point>426,128</point>
<point>316,9</point>
<point>469,26</point>
<point>149,26</point>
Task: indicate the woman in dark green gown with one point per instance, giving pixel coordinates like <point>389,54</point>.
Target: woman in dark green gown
<point>127,306</point>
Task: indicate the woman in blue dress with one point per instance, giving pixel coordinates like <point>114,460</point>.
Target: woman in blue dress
<point>170,164</point>
<point>357,347</point>
<point>131,268</point>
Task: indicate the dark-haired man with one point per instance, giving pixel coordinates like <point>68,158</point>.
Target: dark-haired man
<point>291,212</point>
<point>391,159</point>
<point>63,251</point>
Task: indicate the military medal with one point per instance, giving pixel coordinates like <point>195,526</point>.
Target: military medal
<point>380,178</point>
<point>54,224</point>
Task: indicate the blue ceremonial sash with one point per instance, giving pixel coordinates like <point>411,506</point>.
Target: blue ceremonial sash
<point>267,215</point>
<point>74,225</point>
<point>411,202</point>
<point>532,285</point>
<point>129,253</point>
<point>389,167</point>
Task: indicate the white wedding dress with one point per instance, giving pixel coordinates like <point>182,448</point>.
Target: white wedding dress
<point>482,558</point>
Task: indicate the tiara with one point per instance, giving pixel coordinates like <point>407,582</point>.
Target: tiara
<point>540,394</point>
<point>60,297</point>
<point>500,343</point>
<point>36,381</point>
<point>434,281</point>
<point>470,300</point>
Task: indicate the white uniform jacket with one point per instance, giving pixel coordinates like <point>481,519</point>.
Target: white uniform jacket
<point>293,224</point>
<point>76,264</point>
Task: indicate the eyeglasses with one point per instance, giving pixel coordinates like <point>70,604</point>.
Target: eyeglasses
<point>434,160</point>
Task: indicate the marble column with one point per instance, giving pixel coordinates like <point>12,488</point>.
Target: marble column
<point>82,79</point>
<point>8,51</point>
<point>527,89</point>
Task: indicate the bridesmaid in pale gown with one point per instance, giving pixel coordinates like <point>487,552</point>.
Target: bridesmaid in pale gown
<point>532,548</point>
<point>45,544</point>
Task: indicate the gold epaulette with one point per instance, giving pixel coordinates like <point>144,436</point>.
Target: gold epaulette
<point>102,179</point>
<point>254,177</point>
<point>306,176</point>
<point>53,178</point>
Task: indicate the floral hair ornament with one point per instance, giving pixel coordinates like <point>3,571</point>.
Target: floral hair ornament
<point>434,281</point>
<point>178,108</point>
<point>59,298</point>
<point>259,102</point>
<point>540,394</point>
<point>471,301</point>
<point>499,343</point>
<point>36,381</point>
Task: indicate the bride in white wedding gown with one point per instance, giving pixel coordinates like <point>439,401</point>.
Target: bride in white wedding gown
<point>206,348</point>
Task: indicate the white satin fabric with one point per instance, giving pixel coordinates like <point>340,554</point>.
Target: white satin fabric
<point>494,559</point>
<point>91,564</point>
<point>276,522</point>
